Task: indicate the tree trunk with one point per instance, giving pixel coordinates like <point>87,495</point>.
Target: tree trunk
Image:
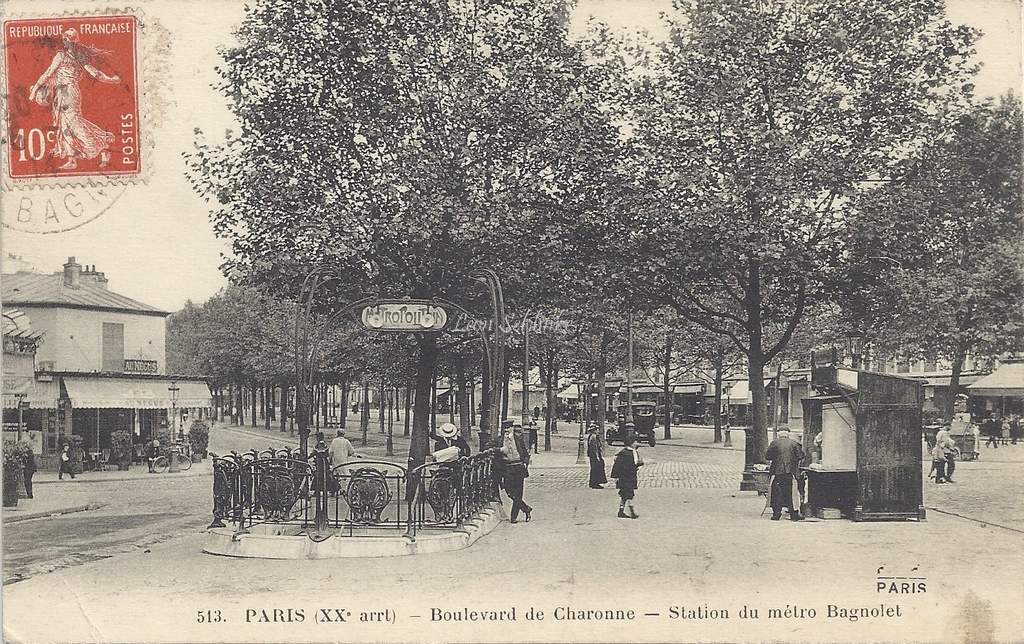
<point>463,398</point>
<point>344,403</point>
<point>425,360</point>
<point>380,405</point>
<point>757,432</point>
<point>949,408</point>
<point>231,404</point>
<point>364,412</point>
<point>408,409</point>
<point>284,408</point>
<point>667,388</point>
<point>253,389</point>
<point>433,403</point>
<point>718,367</point>
<point>324,395</point>
<point>550,396</point>
<point>472,402</point>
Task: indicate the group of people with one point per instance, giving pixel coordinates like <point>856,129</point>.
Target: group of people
<point>993,427</point>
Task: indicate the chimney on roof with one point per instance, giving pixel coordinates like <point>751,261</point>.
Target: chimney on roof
<point>72,273</point>
<point>93,277</point>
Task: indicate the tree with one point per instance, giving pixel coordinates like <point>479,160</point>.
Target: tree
<point>937,252</point>
<point>403,143</point>
<point>755,127</point>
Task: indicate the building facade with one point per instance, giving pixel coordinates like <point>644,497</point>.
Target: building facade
<point>100,365</point>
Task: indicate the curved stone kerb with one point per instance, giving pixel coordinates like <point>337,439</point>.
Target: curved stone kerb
<point>273,543</point>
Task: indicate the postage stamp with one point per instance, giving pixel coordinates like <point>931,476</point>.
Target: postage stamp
<point>80,95</point>
<point>72,97</point>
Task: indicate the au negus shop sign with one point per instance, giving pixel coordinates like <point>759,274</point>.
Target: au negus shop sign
<point>404,315</point>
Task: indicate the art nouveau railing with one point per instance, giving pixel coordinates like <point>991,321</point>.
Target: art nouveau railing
<point>357,498</point>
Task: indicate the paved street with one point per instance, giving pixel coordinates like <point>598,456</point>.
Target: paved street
<point>150,509</point>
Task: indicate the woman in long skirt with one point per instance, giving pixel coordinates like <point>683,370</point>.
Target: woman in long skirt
<point>596,455</point>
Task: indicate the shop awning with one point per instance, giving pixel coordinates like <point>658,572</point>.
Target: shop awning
<point>1006,380</point>
<point>740,392</point>
<point>572,391</point>
<point>689,388</point>
<point>943,381</point>
<point>123,393</point>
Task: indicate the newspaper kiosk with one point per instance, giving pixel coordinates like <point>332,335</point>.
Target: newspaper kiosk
<point>870,445</point>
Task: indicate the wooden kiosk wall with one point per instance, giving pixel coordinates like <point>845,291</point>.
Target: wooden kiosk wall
<point>887,409</point>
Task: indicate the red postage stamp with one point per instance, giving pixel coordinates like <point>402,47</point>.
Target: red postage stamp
<point>72,97</point>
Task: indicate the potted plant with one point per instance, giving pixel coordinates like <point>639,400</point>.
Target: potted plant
<point>199,439</point>
<point>14,462</point>
<point>121,442</point>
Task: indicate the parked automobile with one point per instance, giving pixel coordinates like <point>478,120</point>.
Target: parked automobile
<point>643,424</point>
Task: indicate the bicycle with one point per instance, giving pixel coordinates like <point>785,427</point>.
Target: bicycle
<point>163,462</point>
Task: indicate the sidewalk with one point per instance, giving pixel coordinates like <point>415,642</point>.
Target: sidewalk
<point>136,472</point>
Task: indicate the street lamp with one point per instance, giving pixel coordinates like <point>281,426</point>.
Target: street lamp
<point>728,410</point>
<point>855,347</point>
<point>173,455</point>
<point>21,411</point>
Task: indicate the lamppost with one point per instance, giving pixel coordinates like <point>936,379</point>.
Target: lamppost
<point>728,410</point>
<point>580,446</point>
<point>173,455</point>
<point>855,346</point>
<point>21,411</point>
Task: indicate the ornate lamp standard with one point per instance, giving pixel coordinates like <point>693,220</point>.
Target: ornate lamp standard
<point>173,455</point>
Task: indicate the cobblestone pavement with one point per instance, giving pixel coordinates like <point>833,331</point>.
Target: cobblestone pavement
<point>990,489</point>
<point>652,475</point>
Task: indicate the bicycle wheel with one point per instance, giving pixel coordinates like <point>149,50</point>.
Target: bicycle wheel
<point>184,462</point>
<point>161,464</point>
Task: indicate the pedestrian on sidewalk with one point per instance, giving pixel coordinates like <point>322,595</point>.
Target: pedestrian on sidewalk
<point>65,463</point>
<point>624,470</point>
<point>29,470</point>
<point>945,443</point>
<point>596,455</point>
<point>152,453</point>
<point>1015,429</point>
<point>938,463</point>
<point>990,428</point>
<point>513,462</point>
<point>785,455</point>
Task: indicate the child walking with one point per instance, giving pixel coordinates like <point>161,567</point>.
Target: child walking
<point>624,471</point>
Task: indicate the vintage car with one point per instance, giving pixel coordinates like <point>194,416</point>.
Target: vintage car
<point>643,424</point>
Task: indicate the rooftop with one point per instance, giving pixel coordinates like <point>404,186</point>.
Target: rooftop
<point>25,289</point>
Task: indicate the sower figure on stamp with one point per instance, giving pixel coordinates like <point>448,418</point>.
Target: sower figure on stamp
<point>77,137</point>
<point>785,455</point>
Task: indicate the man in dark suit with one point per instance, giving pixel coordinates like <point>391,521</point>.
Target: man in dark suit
<point>785,455</point>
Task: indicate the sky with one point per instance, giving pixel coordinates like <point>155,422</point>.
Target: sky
<point>155,243</point>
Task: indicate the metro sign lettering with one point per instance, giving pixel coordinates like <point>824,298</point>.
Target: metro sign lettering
<point>404,315</point>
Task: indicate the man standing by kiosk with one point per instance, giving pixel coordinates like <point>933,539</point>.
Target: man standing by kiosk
<point>785,455</point>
